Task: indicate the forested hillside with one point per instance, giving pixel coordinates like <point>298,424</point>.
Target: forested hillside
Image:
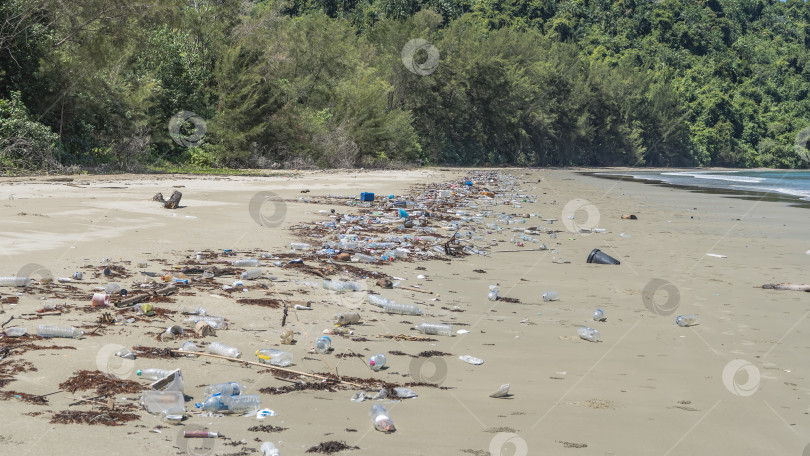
<point>143,84</point>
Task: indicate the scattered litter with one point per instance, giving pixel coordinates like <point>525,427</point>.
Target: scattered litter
<point>715,255</point>
<point>503,391</point>
<point>264,413</point>
<point>471,360</point>
<point>462,331</point>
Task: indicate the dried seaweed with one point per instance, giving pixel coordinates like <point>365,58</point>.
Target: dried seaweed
<point>266,428</point>
<point>332,446</point>
<point>264,302</point>
<point>104,384</point>
<point>25,397</point>
<point>106,418</point>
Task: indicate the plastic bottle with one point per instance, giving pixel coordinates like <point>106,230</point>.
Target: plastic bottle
<point>588,334</point>
<point>550,296</point>
<point>364,258</point>
<point>287,336</point>
<point>686,320</point>
<point>323,344</point>
<point>403,309</point>
<point>334,285</point>
<point>251,274</point>
<point>376,362</point>
<point>299,246</point>
<point>436,329</point>
<point>381,419</point>
<point>154,373</point>
<point>377,300</point>
<point>189,346</point>
<point>214,322</point>
<point>224,389</point>
<point>244,403</point>
<point>275,357</point>
<point>212,404</point>
<point>269,449</point>
<point>13,281</point>
<point>349,318</point>
<point>248,262</point>
<point>598,314</point>
<point>59,331</point>
<point>493,293</point>
<point>15,331</point>
<point>218,348</point>
<point>112,288</point>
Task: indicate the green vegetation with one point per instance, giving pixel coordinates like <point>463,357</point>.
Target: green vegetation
<point>306,83</point>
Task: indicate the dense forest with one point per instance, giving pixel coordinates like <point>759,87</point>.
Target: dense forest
<point>112,85</point>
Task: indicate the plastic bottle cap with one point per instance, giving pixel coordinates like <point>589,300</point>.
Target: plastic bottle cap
<point>371,362</point>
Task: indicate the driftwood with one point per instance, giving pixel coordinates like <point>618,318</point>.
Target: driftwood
<point>415,289</point>
<point>172,203</point>
<point>786,286</point>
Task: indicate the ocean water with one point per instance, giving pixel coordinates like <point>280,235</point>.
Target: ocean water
<point>790,184</point>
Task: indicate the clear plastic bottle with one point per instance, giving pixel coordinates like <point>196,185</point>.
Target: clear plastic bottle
<point>212,321</point>
<point>377,300</point>
<point>218,348</point>
<point>212,404</point>
<point>189,346</point>
<point>436,329</point>
<point>323,344</point>
<point>15,331</point>
<point>154,373</point>
<point>598,315</point>
<point>299,246</point>
<point>224,389</point>
<point>247,262</point>
<point>251,274</point>
<point>59,331</point>
<point>376,362</point>
<point>334,285</point>
<point>363,258</point>
<point>550,296</point>
<point>381,419</point>
<point>269,449</point>
<point>112,289</point>
<point>686,320</point>
<point>287,336</point>
<point>588,334</point>
<point>403,309</point>
<point>275,357</point>
<point>13,281</point>
<point>493,293</point>
<point>244,403</point>
<point>348,318</point>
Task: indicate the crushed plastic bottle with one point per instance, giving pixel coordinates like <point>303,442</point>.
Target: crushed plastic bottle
<point>588,334</point>
<point>437,329</point>
<point>275,357</point>
<point>686,320</point>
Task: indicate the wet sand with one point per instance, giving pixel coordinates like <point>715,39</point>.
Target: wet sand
<point>648,387</point>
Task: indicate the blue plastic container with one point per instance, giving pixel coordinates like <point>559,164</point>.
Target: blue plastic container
<point>365,196</point>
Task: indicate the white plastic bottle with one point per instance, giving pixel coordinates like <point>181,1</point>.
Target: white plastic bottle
<point>13,281</point>
<point>686,320</point>
<point>550,296</point>
<point>381,419</point>
<point>376,362</point>
<point>347,318</point>
<point>377,300</point>
<point>275,357</point>
<point>598,315</point>
<point>588,334</point>
<point>15,331</point>
<point>436,329</point>
<point>154,373</point>
<point>334,285</point>
<point>247,262</point>
<point>251,274</point>
<point>59,331</point>
<point>243,403</point>
<point>299,246</point>
<point>218,348</point>
<point>493,293</point>
<point>403,309</point>
<point>323,344</point>
<point>362,257</point>
<point>224,389</point>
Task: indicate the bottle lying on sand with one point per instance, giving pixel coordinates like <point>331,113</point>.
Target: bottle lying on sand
<point>436,329</point>
<point>381,419</point>
<point>154,373</point>
<point>218,348</point>
<point>376,362</point>
<point>347,318</point>
<point>403,309</point>
<point>589,334</point>
<point>59,331</point>
<point>686,320</point>
<point>224,389</point>
<point>323,344</point>
<point>275,357</point>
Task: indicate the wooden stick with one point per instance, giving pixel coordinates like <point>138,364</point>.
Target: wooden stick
<point>7,321</point>
<point>521,250</point>
<point>415,289</point>
<point>263,365</point>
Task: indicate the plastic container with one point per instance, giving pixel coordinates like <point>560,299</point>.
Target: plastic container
<point>287,336</point>
<point>299,246</point>
<point>224,389</point>
<point>251,274</point>
<point>112,288</point>
<point>269,449</point>
<point>599,257</point>
<point>363,258</point>
<point>212,404</point>
<point>164,402</point>
<point>189,346</point>
<point>376,362</point>
<point>550,296</point>
<point>13,281</point>
<point>686,320</point>
<point>493,293</point>
<point>15,331</point>
<point>381,419</point>
<point>275,357</point>
<point>402,309</point>
<point>343,319</point>
<point>154,373</point>
<point>244,403</point>
<point>59,331</point>
<point>436,329</point>
<point>323,344</point>
<point>377,300</point>
<point>334,285</point>
<point>588,334</point>
<point>218,348</point>
<point>598,315</point>
<point>248,262</point>
<point>212,321</point>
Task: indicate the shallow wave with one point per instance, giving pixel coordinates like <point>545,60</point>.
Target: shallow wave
<point>803,194</point>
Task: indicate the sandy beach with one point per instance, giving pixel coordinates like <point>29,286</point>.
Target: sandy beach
<point>735,383</point>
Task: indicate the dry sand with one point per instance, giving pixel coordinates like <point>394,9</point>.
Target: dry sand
<point>648,387</point>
